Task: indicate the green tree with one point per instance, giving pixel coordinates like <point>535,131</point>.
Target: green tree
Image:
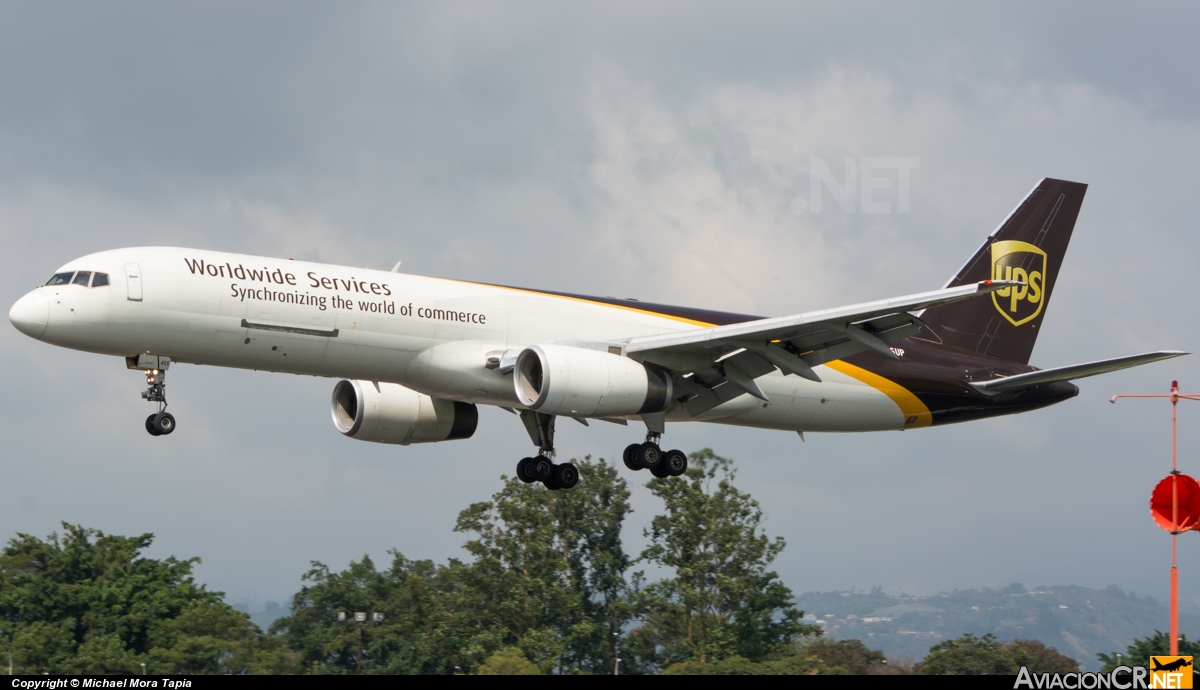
<point>968,656</point>
<point>507,662</point>
<point>411,595</point>
<point>546,582</point>
<point>803,664</point>
<point>729,666</point>
<point>978,656</point>
<point>852,655</point>
<point>548,572</point>
<point>87,602</point>
<point>1039,658</point>
<point>721,601</point>
<point>796,665</point>
<point>1139,653</point>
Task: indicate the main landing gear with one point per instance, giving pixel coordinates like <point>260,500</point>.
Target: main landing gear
<point>638,456</point>
<point>649,456</point>
<point>161,422</point>
<point>541,468</point>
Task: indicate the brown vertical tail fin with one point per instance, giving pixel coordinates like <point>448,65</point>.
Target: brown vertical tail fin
<point>1029,247</point>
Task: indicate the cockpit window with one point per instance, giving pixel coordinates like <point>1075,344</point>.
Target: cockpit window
<point>82,278</point>
<point>60,279</point>
<point>99,279</point>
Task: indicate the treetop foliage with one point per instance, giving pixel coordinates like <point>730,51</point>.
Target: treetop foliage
<point>87,602</point>
<point>1139,653</point>
<point>548,579</point>
<point>723,600</point>
<point>986,656</point>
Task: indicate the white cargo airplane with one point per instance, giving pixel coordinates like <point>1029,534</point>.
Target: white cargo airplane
<point>417,354</point>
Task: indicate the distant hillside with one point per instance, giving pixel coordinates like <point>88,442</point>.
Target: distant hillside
<point>1078,621</point>
<point>262,616</point>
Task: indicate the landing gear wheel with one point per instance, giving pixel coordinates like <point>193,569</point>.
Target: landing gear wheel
<point>164,423</point>
<point>648,455</point>
<point>660,471</point>
<point>523,471</point>
<point>566,476</point>
<point>540,468</point>
<point>674,462</point>
<point>628,457</point>
<point>153,430</point>
<point>551,482</point>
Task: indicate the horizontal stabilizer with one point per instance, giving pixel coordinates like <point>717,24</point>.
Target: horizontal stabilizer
<point>1075,371</point>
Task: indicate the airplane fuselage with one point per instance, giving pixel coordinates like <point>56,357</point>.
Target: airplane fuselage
<point>436,336</point>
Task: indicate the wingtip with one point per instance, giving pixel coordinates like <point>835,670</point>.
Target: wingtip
<point>993,285</point>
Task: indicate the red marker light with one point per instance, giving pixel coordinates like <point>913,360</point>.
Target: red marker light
<point>987,282</point>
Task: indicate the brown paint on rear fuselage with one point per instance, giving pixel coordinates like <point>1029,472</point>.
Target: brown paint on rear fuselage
<point>940,375</point>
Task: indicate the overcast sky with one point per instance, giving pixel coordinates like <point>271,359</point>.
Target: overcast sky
<point>658,151</point>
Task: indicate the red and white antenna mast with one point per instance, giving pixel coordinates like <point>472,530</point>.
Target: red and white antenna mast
<point>1175,502</point>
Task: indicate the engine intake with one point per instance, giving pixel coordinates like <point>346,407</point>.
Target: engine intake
<point>574,381</point>
<point>391,413</point>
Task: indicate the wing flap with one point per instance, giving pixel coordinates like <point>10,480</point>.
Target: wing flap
<point>723,392</point>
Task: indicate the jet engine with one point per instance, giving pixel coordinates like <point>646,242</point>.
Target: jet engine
<point>578,382</point>
<point>390,413</point>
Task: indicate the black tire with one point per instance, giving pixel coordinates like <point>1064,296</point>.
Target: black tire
<point>566,476</point>
<point>164,422</point>
<point>540,468</point>
<point>675,462</point>
<point>628,457</point>
<point>150,428</point>
<point>522,468</point>
<point>660,471</point>
<point>551,482</point>
<point>648,455</point>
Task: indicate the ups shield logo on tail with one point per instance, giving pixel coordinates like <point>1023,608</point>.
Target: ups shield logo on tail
<point>1023,262</point>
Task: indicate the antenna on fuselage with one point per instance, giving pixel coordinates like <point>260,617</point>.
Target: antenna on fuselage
<point>396,268</point>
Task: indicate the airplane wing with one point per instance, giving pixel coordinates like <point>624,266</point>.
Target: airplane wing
<point>1075,371</point>
<point>704,360</point>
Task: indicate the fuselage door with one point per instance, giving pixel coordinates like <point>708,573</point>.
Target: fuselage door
<point>133,279</point>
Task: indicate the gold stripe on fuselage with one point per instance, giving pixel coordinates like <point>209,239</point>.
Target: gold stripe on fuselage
<point>584,300</point>
<point>916,413</point>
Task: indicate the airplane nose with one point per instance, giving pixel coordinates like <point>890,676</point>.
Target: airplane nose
<point>30,314</point>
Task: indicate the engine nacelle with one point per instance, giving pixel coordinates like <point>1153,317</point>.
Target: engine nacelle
<point>391,413</point>
<point>574,381</point>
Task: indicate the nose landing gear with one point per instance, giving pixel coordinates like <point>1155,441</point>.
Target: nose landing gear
<point>161,422</point>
